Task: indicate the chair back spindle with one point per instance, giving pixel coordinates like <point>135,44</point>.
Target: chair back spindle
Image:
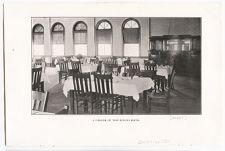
<point>150,66</point>
<point>103,84</point>
<point>63,66</point>
<point>82,83</point>
<point>36,77</point>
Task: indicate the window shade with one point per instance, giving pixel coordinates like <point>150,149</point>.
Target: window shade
<point>80,37</point>
<point>57,37</point>
<point>38,38</point>
<point>131,35</point>
<point>104,36</point>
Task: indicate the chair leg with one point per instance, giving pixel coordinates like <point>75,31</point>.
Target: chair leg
<point>121,104</point>
<point>60,77</point>
<point>92,107</point>
<point>168,106</point>
<point>42,87</point>
<point>132,104</point>
<point>71,93</point>
<point>149,104</point>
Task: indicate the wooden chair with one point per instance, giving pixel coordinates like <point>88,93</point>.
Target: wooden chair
<point>63,72</point>
<point>134,66</point>
<point>150,66</point>
<point>99,68</point>
<point>76,67</point>
<point>160,101</point>
<point>126,62</point>
<point>38,62</point>
<point>93,61</point>
<point>109,102</point>
<point>134,69</point>
<point>39,101</point>
<point>37,84</point>
<point>108,69</point>
<point>83,92</point>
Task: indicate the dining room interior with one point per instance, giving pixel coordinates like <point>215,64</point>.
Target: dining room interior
<point>116,65</point>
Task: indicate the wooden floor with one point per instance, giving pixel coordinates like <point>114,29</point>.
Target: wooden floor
<point>184,100</point>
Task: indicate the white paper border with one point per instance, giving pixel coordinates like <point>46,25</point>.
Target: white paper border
<point>210,20</point>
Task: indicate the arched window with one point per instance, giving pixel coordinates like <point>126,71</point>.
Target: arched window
<point>80,38</point>
<point>131,37</point>
<point>38,40</point>
<point>58,40</point>
<point>104,38</point>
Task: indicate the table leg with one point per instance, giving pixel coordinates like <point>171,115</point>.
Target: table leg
<point>132,103</point>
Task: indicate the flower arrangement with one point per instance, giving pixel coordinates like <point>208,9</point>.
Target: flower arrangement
<point>80,56</point>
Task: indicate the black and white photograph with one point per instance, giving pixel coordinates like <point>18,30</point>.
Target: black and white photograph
<point>116,65</point>
<point>112,75</point>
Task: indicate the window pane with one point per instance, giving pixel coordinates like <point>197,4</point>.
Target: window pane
<point>131,50</point>
<point>104,50</point>
<point>134,24</point>
<point>172,45</point>
<point>80,49</point>
<point>81,26</point>
<point>104,25</point>
<point>58,27</point>
<point>58,50</point>
<point>186,45</point>
<point>131,24</point>
<point>38,50</point>
<point>128,24</point>
<point>38,29</point>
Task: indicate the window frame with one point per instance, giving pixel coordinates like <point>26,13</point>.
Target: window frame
<point>52,31</point>
<point>139,40</point>
<point>96,29</point>
<point>74,31</point>
<point>37,33</point>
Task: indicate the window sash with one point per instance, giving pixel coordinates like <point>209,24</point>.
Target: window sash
<point>38,50</point>
<point>131,50</point>
<point>80,49</point>
<point>104,49</point>
<point>58,50</point>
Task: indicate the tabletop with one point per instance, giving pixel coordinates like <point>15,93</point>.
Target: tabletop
<point>121,85</point>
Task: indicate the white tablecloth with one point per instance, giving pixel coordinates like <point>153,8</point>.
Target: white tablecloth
<point>125,86</point>
<point>89,68</point>
<point>164,71</point>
